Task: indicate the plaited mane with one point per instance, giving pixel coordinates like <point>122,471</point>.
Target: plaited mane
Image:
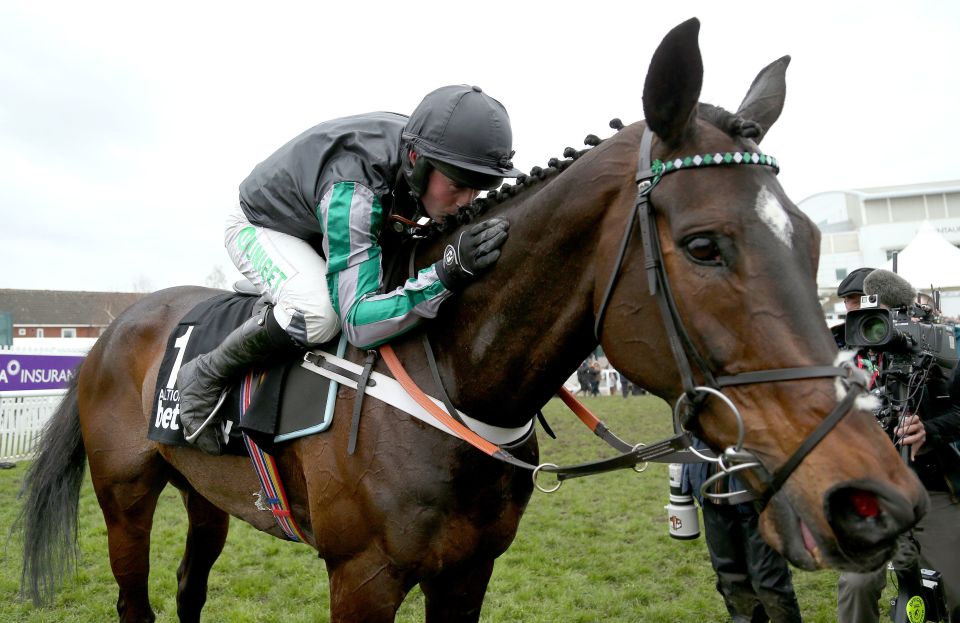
<point>730,123</point>
<point>524,182</point>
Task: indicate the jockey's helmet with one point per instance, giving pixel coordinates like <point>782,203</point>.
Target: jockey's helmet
<point>463,133</point>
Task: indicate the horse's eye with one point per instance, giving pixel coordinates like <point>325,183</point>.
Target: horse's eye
<point>703,250</point>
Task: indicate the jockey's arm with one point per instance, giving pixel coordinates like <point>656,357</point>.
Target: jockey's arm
<point>351,216</point>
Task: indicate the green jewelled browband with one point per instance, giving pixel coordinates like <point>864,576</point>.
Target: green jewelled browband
<point>738,157</point>
<point>659,168</point>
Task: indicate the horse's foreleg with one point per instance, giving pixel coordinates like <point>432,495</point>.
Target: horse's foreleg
<point>365,589</point>
<point>205,538</point>
<point>456,594</point>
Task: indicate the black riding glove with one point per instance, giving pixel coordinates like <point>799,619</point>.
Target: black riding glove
<point>476,249</point>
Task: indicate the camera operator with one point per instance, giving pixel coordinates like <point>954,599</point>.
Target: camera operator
<point>851,290</point>
<point>928,430</point>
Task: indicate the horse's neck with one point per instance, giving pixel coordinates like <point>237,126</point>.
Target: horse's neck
<point>513,338</point>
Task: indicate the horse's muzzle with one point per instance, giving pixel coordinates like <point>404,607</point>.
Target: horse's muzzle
<point>867,518</point>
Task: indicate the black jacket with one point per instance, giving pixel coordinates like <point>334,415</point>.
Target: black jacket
<point>938,463</point>
<point>283,192</point>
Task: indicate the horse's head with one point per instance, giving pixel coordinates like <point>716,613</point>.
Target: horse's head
<point>740,262</point>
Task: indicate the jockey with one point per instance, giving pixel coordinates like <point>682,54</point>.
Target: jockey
<point>307,234</point>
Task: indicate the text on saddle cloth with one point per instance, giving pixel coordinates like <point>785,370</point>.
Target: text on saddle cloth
<point>198,332</point>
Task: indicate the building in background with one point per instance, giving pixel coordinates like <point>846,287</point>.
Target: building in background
<point>865,227</point>
<point>48,314</point>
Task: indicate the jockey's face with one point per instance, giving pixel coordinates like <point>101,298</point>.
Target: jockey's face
<point>443,196</point>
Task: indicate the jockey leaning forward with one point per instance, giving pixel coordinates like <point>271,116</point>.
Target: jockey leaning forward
<point>333,187</point>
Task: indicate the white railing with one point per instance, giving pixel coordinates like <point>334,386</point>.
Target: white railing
<point>23,414</point>
<point>22,417</point>
<point>51,345</point>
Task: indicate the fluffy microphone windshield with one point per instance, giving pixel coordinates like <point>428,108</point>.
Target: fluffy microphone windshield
<point>892,290</point>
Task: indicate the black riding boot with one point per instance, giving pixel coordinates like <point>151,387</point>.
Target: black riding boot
<point>203,380</point>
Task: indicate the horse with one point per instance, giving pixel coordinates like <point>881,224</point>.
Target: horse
<point>415,506</point>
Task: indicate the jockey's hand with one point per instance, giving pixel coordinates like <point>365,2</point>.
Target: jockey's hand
<point>476,249</point>
<point>911,433</point>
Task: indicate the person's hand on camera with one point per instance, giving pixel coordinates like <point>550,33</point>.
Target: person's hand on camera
<point>476,249</point>
<point>911,433</point>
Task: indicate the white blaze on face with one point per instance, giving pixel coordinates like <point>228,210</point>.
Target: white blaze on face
<point>774,215</point>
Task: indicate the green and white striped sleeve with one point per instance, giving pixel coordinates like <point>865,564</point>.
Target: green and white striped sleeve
<point>351,217</point>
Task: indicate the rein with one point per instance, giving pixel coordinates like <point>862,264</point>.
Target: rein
<point>670,450</point>
<point>734,458</point>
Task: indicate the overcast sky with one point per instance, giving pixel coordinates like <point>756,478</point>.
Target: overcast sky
<point>125,128</point>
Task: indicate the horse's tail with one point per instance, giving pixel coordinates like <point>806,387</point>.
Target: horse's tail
<point>51,497</point>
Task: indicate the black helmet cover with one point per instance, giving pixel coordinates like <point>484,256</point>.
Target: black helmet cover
<point>464,133</point>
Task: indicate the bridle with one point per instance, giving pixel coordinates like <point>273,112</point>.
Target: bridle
<point>685,354</point>
<point>677,448</point>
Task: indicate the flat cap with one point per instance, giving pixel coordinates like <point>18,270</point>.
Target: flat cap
<point>853,283</point>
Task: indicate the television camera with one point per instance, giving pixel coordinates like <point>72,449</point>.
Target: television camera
<point>908,336</point>
<point>910,347</point>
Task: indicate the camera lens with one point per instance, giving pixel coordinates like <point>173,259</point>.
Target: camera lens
<point>874,330</point>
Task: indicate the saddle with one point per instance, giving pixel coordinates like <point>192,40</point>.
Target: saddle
<point>289,401</point>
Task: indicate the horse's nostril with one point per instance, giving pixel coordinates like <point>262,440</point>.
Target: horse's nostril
<point>866,520</point>
<point>864,503</point>
<point>860,514</point>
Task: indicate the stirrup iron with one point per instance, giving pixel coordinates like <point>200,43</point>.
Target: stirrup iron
<point>210,418</point>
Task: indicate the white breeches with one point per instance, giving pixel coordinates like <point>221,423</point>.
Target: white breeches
<point>290,272</point>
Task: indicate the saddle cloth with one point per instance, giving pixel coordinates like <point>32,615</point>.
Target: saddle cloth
<point>289,400</point>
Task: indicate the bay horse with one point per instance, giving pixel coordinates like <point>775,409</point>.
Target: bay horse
<point>416,506</point>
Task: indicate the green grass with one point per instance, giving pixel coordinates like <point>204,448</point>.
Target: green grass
<point>597,550</point>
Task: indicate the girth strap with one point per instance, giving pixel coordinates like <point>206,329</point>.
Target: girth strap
<point>358,401</point>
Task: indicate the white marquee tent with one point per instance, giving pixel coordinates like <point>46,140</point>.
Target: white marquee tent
<point>929,259</point>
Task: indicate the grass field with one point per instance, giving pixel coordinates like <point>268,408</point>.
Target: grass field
<point>597,550</point>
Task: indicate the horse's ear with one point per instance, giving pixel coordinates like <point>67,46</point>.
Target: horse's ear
<point>764,100</point>
<point>672,87</point>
